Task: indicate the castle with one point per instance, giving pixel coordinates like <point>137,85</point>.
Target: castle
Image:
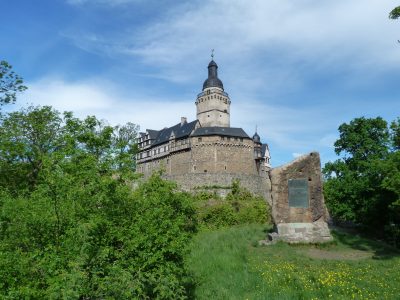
<point>206,151</point>
<point>209,154</point>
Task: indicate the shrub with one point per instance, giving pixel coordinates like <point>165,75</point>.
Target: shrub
<point>239,207</point>
<point>99,240</point>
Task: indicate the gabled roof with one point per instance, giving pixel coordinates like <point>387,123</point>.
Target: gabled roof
<point>179,130</point>
<point>222,131</point>
<point>152,133</point>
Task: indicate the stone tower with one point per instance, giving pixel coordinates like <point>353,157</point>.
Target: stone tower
<point>213,104</point>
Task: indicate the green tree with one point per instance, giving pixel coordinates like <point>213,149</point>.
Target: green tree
<point>10,84</point>
<point>395,13</point>
<point>31,137</point>
<point>26,138</point>
<point>363,185</point>
<point>70,224</point>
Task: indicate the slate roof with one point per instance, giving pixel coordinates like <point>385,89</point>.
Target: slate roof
<point>180,131</point>
<point>152,133</point>
<point>212,80</point>
<point>222,131</point>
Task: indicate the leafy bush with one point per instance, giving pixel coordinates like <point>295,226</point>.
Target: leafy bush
<point>239,207</point>
<point>82,233</point>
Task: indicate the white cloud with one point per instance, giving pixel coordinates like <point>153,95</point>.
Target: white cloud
<point>103,100</point>
<point>356,33</point>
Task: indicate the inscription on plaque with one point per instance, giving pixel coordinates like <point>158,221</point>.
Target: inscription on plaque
<point>298,193</point>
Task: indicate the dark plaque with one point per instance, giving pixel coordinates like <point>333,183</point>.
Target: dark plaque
<point>298,193</point>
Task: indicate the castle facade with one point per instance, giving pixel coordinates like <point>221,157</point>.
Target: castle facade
<point>206,151</point>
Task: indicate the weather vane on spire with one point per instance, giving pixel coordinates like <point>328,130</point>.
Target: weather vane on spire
<point>212,54</point>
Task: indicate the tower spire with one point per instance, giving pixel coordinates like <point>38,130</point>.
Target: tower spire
<point>213,80</point>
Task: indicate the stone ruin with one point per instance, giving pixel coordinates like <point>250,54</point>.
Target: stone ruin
<point>298,207</point>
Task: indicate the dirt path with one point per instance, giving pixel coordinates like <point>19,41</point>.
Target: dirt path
<point>337,255</point>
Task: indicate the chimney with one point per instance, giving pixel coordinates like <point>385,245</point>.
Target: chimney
<point>183,120</point>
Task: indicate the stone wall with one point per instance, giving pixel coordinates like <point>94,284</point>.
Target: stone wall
<point>221,183</point>
<point>215,154</point>
<point>207,154</point>
<point>212,162</point>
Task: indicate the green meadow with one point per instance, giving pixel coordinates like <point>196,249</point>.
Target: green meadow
<point>228,263</point>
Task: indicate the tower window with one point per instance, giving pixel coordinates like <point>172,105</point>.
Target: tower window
<point>199,139</point>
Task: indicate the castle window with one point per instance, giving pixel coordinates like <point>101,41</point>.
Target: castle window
<point>225,168</point>
<point>148,153</point>
<point>199,139</point>
<point>205,171</point>
<point>208,115</point>
<point>194,168</point>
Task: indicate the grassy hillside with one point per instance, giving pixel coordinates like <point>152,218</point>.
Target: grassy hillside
<point>229,264</point>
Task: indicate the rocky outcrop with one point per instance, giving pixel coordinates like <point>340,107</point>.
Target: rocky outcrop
<point>298,207</point>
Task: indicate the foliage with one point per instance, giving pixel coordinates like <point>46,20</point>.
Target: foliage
<point>32,137</point>
<point>71,226</point>
<point>239,207</point>
<point>227,264</point>
<point>363,186</point>
<point>395,13</point>
<point>91,237</point>
<point>10,84</point>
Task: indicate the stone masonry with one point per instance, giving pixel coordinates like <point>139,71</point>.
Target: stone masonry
<point>299,212</point>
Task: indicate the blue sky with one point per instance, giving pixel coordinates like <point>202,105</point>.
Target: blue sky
<point>295,68</point>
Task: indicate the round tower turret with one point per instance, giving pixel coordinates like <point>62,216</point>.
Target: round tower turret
<point>213,104</point>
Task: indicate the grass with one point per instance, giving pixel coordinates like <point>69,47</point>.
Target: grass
<point>228,264</point>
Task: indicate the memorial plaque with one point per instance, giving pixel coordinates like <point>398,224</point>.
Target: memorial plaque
<point>298,193</point>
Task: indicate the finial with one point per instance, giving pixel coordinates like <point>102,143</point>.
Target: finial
<point>256,128</point>
<point>212,54</point>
